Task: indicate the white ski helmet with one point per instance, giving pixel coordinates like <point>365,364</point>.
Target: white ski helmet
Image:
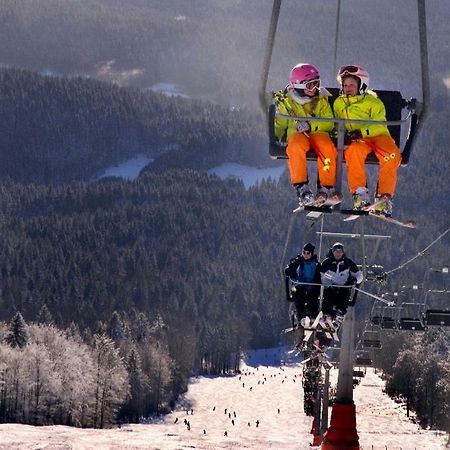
<point>358,72</point>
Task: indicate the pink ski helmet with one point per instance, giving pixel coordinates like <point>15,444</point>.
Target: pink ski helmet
<point>304,76</point>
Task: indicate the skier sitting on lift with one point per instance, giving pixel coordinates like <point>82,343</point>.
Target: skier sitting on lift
<point>303,97</point>
<point>338,270</point>
<point>357,102</point>
<point>304,268</point>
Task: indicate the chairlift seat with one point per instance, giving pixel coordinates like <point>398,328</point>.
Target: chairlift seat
<point>437,317</point>
<point>371,343</point>
<point>358,373</point>
<point>362,361</point>
<point>411,324</point>
<point>394,104</point>
<point>388,324</point>
<point>376,320</point>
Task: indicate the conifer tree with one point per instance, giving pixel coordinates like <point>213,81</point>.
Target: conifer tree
<point>17,335</point>
<point>44,316</point>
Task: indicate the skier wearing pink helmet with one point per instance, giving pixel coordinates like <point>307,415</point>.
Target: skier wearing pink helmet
<point>304,97</point>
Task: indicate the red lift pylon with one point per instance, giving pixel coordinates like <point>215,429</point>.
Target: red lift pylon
<point>342,434</point>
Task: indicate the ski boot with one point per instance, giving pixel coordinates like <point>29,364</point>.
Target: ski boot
<point>305,322</point>
<point>322,195</point>
<point>361,198</point>
<point>327,323</point>
<point>337,320</point>
<point>304,194</point>
<point>384,207</point>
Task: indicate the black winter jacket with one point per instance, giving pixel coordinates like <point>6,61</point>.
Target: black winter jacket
<point>340,273</point>
<point>295,271</point>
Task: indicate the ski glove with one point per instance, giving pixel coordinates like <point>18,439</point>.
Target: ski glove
<point>352,136</point>
<point>303,127</point>
<point>327,279</point>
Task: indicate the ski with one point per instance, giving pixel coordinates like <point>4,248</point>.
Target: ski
<point>302,207</point>
<point>329,328</point>
<point>323,206</point>
<point>355,214</point>
<point>406,224</point>
<point>288,330</point>
<point>309,330</point>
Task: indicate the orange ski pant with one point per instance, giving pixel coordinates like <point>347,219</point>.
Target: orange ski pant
<point>388,155</point>
<point>298,146</point>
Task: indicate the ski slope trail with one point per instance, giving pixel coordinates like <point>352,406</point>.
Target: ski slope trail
<point>261,408</point>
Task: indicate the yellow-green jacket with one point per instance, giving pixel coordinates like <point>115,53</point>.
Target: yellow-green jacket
<point>361,107</point>
<point>316,107</point>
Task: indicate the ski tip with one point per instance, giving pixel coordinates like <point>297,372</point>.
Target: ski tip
<point>410,224</point>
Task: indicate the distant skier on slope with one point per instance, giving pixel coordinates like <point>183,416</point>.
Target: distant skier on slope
<point>303,97</point>
<point>338,270</point>
<point>304,268</point>
<point>357,102</point>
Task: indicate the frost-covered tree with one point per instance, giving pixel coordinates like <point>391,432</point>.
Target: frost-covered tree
<point>111,383</point>
<point>73,369</point>
<point>158,367</point>
<point>404,379</point>
<point>135,406</point>
<point>41,382</point>
<point>115,327</point>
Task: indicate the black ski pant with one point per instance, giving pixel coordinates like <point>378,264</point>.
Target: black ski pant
<point>306,303</point>
<point>334,299</point>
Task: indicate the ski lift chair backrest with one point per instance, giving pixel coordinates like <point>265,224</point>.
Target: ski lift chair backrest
<point>393,102</point>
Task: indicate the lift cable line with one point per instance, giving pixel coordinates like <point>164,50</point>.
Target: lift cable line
<point>421,253</point>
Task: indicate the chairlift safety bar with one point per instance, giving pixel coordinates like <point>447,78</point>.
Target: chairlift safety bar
<point>335,120</point>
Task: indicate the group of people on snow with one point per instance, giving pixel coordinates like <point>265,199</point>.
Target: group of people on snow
<point>336,273</point>
<point>304,97</point>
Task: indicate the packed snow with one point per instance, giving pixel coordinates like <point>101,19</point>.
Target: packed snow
<point>261,408</point>
<point>248,174</point>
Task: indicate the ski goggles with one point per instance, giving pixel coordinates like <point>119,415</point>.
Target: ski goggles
<point>349,70</point>
<point>309,85</point>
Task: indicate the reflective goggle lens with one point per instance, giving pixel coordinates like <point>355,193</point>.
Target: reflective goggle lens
<point>350,70</point>
<point>313,84</point>
<point>310,85</point>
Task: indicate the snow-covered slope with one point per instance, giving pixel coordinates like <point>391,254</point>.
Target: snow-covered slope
<point>260,409</point>
<point>249,175</point>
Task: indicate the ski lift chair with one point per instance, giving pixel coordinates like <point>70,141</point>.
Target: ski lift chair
<point>436,315</point>
<point>411,317</point>
<point>371,338</point>
<point>395,105</point>
<point>390,319</point>
<point>385,317</point>
<point>363,359</point>
<point>375,272</point>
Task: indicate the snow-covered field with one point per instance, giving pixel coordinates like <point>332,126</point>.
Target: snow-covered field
<point>169,89</point>
<point>128,170</point>
<point>248,174</point>
<point>260,409</point>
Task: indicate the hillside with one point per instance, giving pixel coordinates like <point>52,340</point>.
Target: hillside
<point>166,275</point>
<point>56,130</point>
<point>203,45</point>
<point>266,392</point>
